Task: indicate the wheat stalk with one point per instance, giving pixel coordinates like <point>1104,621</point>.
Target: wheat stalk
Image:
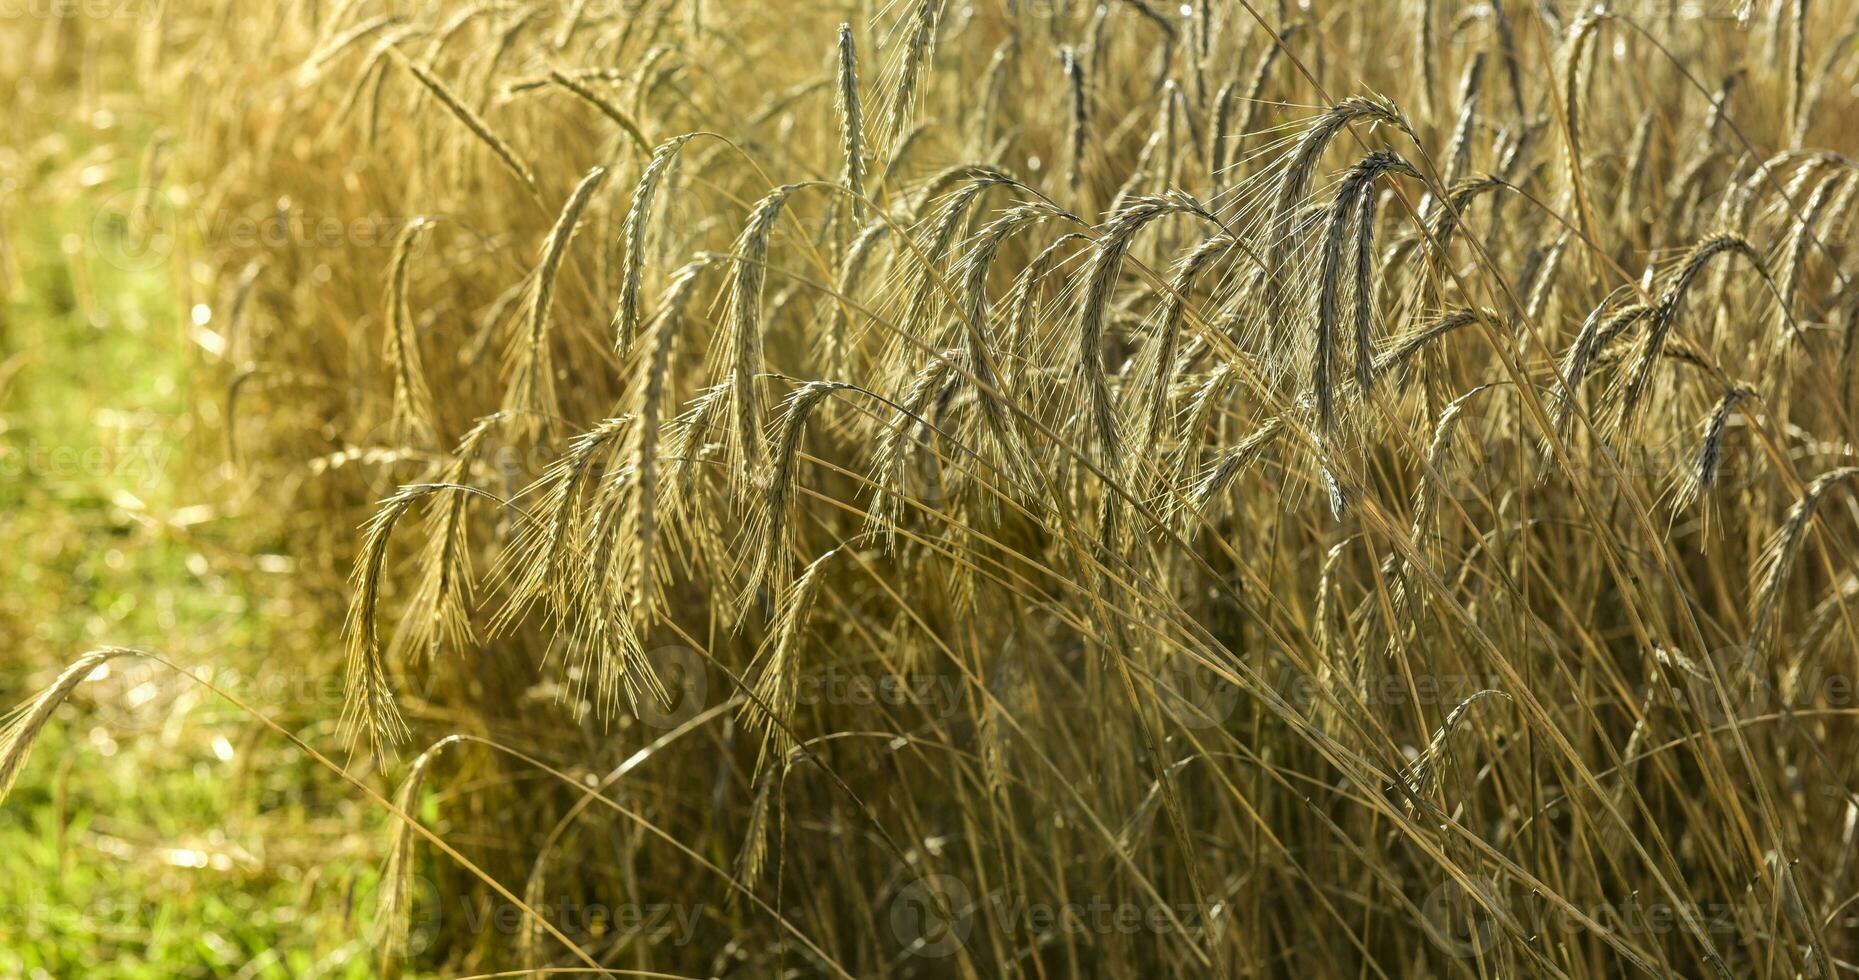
<point>20,730</point>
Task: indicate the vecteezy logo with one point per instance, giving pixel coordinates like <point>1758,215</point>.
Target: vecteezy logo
<point>932,915</point>
<point>1193,693</point>
<point>1482,453</point>
<point>686,678</point>
<point>1745,688</point>
<point>134,230</point>
<point>1458,917</point>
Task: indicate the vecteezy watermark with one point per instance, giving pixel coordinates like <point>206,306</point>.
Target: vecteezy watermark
<point>685,675</point>
<point>661,922</point>
<point>132,463</point>
<point>1463,920</point>
<point>938,694</point>
<point>1732,684</point>
<point>686,678</point>
<point>934,915</point>
<point>1458,917</point>
<point>137,230</point>
<point>1304,690</point>
<point>1193,692</point>
<point>430,913</point>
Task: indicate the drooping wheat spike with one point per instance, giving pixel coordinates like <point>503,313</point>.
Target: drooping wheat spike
<point>1080,115</point>
<point>753,856</point>
<point>605,654</point>
<point>1459,146</point>
<point>1574,52</point>
<point>626,316</point>
<point>920,280</point>
<point>978,347</point>
<point>891,457</point>
<point>1543,281</point>
<point>1795,262</point>
<point>1365,287</point>
<point>1687,188</point>
<point>1830,615</point>
<point>1159,362</point>
<point>531,570</point>
<point>21,727</point>
<point>374,69</point>
<point>1666,312</point>
<point>1597,331</point>
<point>368,707</point>
<point>1448,220</point>
<point>653,70</point>
<point>1204,404</point>
<point>1428,488</point>
<point>413,418</point>
<point>1353,198</point>
<point>742,354</point>
<point>1023,304</point>
<point>530,394</point>
<point>375,77</point>
<point>985,247</point>
<point>775,685</point>
<point>769,530</point>
<point>687,442</point>
<point>438,616</point>
<point>394,907</point>
<point>1419,778</point>
<point>620,117</point>
<point>1227,466</point>
<point>838,340</point>
<point>473,122</point>
<point>1094,307</point>
<point>851,123</point>
<point>901,151</point>
<point>347,39</point>
<point>1395,358</point>
<point>653,384</point>
<point>1703,472</point>
<point>1771,571</point>
<point>1294,177</point>
<point>1326,593</point>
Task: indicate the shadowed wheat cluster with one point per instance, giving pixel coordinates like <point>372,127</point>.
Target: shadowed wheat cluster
<point>1047,488</point>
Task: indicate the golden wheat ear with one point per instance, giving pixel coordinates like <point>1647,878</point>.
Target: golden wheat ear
<point>1419,778</point>
<point>394,908</point>
<point>368,707</point>
<point>21,729</point>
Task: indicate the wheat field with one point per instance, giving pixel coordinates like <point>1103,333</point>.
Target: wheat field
<point>1029,487</point>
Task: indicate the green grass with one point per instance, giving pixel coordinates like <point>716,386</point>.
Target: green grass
<point>157,831</point>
